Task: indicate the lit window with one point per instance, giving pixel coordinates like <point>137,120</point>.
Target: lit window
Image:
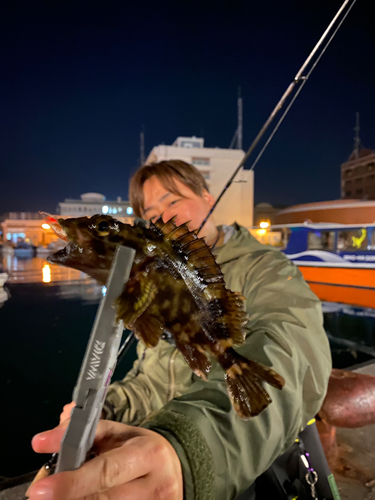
<point>105,209</point>
<point>321,240</point>
<point>129,210</point>
<point>114,211</point>
<point>352,240</point>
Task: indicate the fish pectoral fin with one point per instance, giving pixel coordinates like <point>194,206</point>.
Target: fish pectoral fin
<point>148,328</point>
<point>135,299</point>
<point>243,379</point>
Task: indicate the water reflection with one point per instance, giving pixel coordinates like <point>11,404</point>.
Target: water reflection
<point>46,271</point>
<point>68,283</point>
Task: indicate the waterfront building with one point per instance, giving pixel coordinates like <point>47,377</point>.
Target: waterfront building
<point>358,175</point>
<point>31,227</point>
<point>216,165</point>
<point>95,203</point>
<point>26,226</point>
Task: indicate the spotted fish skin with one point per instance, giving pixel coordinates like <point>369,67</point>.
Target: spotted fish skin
<point>175,286</point>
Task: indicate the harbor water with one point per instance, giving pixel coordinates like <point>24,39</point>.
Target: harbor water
<point>46,315</point>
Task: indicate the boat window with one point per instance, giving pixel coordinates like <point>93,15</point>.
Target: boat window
<point>352,240</point>
<point>321,240</point>
<point>373,239</point>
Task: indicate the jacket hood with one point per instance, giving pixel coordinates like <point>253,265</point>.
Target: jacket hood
<point>239,244</point>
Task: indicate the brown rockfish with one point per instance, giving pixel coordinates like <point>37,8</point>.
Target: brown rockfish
<point>175,286</point>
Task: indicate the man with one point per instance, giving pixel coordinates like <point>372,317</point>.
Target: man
<point>189,443</point>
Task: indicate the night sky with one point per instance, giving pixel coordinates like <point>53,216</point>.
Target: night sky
<point>79,80</point>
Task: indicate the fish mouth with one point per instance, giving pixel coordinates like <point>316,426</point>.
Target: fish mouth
<point>78,253</point>
<point>64,255</point>
<point>71,250</point>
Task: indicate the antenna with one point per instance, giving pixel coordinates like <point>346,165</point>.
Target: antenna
<point>239,127</point>
<point>142,146</point>
<point>357,140</point>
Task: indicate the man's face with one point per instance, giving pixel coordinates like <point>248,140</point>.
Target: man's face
<point>189,206</point>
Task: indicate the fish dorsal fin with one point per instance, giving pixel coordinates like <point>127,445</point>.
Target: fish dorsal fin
<point>193,244</point>
<point>169,226</point>
<point>227,307</point>
<point>184,239</point>
<point>159,223</point>
<point>176,232</point>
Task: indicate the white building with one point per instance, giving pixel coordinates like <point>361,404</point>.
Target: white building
<point>96,203</point>
<point>216,166</point>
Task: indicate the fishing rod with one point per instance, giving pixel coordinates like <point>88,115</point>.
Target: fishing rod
<point>300,80</point>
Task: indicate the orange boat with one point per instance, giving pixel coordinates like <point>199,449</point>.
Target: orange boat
<point>337,260</point>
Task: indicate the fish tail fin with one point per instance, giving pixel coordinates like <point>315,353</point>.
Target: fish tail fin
<point>243,379</point>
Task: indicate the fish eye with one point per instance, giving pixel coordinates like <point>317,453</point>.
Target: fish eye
<point>103,227</point>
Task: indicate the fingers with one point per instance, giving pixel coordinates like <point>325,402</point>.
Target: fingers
<point>49,441</point>
<point>108,435</point>
<point>125,456</point>
<point>110,470</point>
<point>143,488</point>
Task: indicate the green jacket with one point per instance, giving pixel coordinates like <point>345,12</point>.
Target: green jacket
<point>221,455</point>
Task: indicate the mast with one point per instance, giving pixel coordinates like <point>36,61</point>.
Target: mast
<point>142,146</point>
<point>239,127</point>
<point>357,140</point>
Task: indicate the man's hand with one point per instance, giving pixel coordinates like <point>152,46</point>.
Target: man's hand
<point>131,463</point>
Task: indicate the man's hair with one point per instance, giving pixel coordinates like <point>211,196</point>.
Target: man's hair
<point>166,171</point>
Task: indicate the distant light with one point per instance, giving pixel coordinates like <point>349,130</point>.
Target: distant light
<point>104,290</point>
<point>261,232</point>
<point>119,209</point>
<point>114,211</point>
<point>46,271</point>
<point>264,225</point>
<point>129,210</point>
<point>105,209</point>
<point>46,226</point>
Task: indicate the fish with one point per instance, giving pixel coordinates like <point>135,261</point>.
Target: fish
<point>176,287</point>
